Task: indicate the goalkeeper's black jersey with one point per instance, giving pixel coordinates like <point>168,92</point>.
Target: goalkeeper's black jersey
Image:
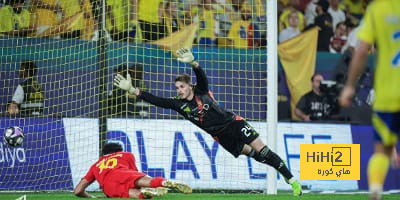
<point>202,110</point>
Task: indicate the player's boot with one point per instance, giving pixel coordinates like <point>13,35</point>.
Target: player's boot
<point>181,187</point>
<point>296,186</point>
<point>154,192</point>
<point>375,193</point>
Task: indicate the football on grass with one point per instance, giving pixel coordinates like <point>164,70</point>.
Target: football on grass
<point>14,136</point>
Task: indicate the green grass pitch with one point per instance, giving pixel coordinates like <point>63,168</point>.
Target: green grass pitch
<point>207,196</point>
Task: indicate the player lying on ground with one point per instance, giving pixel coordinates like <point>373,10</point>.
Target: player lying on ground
<point>196,104</point>
<point>118,176</point>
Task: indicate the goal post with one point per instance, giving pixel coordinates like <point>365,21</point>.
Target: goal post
<point>272,88</point>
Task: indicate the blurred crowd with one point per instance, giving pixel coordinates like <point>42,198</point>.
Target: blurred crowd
<point>224,23</point>
<point>220,23</point>
<point>236,23</point>
<point>337,21</point>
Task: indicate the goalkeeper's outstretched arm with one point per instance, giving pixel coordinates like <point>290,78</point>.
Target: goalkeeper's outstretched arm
<point>126,84</point>
<point>186,56</point>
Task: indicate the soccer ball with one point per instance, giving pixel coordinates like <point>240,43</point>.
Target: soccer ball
<point>14,136</point>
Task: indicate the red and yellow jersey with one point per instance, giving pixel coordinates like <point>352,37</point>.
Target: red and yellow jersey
<point>109,164</point>
<point>381,26</point>
<point>239,34</point>
<point>207,24</point>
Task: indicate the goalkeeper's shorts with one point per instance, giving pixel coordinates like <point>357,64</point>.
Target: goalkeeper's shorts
<point>234,136</point>
<point>118,184</point>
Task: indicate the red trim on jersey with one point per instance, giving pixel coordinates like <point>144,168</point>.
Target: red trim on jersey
<point>250,36</point>
<point>200,107</point>
<point>216,138</point>
<point>211,95</point>
<point>238,118</point>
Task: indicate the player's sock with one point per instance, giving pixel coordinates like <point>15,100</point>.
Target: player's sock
<point>157,182</point>
<point>378,167</point>
<point>268,157</point>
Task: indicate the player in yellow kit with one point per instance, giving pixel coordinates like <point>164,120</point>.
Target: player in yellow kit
<point>381,26</point>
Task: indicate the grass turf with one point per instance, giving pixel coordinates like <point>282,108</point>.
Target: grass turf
<point>198,196</point>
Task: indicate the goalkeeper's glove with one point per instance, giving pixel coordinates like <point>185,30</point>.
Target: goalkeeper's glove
<point>184,55</point>
<point>125,84</point>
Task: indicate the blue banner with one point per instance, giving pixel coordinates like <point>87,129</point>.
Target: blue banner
<point>41,162</point>
<point>364,136</point>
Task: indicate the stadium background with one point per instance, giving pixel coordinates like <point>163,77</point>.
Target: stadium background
<point>69,71</point>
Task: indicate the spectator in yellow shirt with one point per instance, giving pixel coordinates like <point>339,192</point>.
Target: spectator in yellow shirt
<point>355,8</point>
<point>208,26</point>
<point>46,13</point>
<point>150,14</point>
<point>71,8</point>
<point>15,19</point>
<point>243,33</point>
<point>121,18</point>
<point>171,19</point>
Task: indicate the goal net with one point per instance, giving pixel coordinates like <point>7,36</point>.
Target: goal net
<point>57,69</point>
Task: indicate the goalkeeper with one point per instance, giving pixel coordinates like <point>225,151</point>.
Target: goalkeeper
<point>196,104</point>
<point>118,176</point>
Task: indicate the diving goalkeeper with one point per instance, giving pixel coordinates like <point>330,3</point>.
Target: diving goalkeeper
<point>196,104</point>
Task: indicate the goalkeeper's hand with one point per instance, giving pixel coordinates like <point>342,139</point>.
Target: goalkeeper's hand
<point>125,84</point>
<point>184,55</point>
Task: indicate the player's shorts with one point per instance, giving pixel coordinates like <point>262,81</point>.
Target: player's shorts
<point>118,184</point>
<point>235,135</point>
<point>386,127</point>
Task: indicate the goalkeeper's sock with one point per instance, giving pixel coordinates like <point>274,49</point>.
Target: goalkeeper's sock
<point>157,182</point>
<point>268,157</point>
<point>378,167</point>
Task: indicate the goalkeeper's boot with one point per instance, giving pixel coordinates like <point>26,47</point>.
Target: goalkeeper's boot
<point>180,187</point>
<point>296,186</point>
<point>153,192</point>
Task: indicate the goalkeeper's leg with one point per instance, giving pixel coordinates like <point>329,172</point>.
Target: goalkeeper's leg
<point>265,155</point>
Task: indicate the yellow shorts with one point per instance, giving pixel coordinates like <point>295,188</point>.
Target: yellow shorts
<point>386,127</point>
